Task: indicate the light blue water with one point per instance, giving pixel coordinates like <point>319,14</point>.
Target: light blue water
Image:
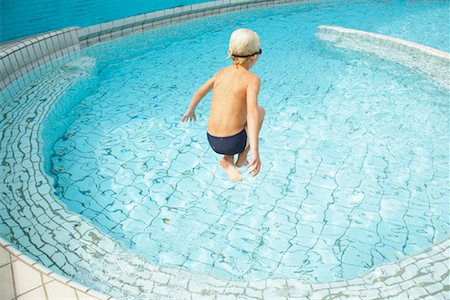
<point>20,18</point>
<point>354,149</point>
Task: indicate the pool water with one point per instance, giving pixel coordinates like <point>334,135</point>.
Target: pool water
<point>354,148</point>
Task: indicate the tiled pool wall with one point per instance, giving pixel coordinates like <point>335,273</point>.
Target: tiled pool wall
<point>19,58</point>
<point>63,241</point>
<point>20,16</point>
<point>429,61</point>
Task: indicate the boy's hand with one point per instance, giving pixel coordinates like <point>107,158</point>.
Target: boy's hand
<point>255,165</point>
<point>189,116</point>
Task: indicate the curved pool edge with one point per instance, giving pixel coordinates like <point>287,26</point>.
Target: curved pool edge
<point>40,280</point>
<point>414,277</point>
<point>405,278</point>
<point>430,61</point>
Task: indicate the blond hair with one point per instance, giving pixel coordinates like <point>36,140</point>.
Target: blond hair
<point>243,42</point>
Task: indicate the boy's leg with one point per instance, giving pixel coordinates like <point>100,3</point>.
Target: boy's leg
<point>227,162</point>
<point>242,158</point>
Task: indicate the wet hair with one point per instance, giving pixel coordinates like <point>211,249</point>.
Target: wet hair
<point>244,43</point>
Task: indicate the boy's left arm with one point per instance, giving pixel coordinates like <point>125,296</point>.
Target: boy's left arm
<point>198,96</point>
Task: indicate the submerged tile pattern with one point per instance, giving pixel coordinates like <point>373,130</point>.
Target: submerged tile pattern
<point>34,220</point>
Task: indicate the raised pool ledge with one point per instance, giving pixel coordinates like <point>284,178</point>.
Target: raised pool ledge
<point>110,30</point>
<point>429,61</point>
<point>19,58</point>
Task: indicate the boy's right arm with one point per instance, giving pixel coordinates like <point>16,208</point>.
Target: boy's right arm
<point>198,96</point>
<point>253,124</point>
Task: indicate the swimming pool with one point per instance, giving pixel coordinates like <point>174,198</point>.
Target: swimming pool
<point>347,147</point>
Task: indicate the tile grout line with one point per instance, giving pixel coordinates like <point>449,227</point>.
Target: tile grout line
<point>43,285</point>
<point>12,275</point>
<point>76,294</point>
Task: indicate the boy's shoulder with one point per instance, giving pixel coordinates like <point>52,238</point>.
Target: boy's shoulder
<point>253,78</point>
<point>249,76</point>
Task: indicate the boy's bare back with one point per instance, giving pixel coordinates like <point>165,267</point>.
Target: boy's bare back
<point>228,112</point>
<point>235,117</point>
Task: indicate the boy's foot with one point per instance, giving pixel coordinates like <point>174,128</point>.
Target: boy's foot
<point>231,170</point>
<point>241,163</point>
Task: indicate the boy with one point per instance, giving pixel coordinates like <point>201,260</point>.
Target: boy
<point>234,111</point>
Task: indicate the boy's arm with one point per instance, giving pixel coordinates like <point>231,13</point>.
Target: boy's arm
<point>198,96</point>
<point>252,123</point>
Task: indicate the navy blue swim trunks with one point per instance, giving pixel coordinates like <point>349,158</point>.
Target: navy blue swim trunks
<point>228,145</point>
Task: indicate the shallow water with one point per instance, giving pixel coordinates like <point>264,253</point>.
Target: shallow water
<point>354,148</point>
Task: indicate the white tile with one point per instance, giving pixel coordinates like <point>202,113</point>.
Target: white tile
<point>83,296</point>
<point>8,80</point>
<point>178,10</point>
<point>128,21</point>
<point>47,278</point>
<point>27,260</point>
<point>137,28</point>
<point>31,53</point>
<point>3,93</point>
<point>49,44</point>
<point>4,257</point>
<point>74,36</point>
<point>150,16</point>
<point>62,41</point>
<point>106,27</point>
<point>97,294</point>
<point>139,18</point>
<point>43,46</point>
<point>21,57</point>
<point>118,24</point>
<point>55,42</point>
<point>187,8</point>
<point>25,277</point>
<point>127,31</point>
<point>37,50</point>
<point>6,283</point>
<point>82,32</point>
<point>36,294</point>
<point>57,291</point>
<point>168,12</point>
<point>78,286</point>
<point>7,61</point>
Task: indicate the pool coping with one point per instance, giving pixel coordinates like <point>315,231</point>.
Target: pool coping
<point>63,42</point>
<point>430,61</point>
<point>404,279</point>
